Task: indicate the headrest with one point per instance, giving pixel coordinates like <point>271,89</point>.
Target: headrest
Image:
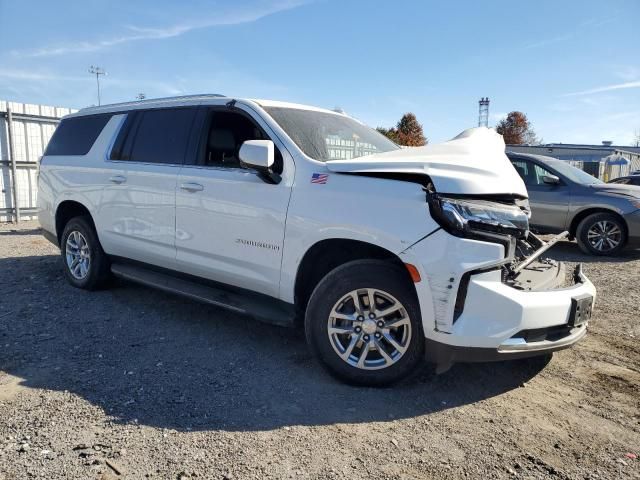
<point>222,139</point>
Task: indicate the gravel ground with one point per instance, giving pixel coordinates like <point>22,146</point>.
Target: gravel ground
<point>134,383</point>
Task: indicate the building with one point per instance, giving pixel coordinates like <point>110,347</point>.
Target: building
<point>604,161</point>
<point>25,130</point>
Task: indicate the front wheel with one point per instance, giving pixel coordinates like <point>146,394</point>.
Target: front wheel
<point>601,234</point>
<point>363,322</point>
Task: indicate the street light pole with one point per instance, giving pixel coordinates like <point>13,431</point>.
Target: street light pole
<point>97,71</point>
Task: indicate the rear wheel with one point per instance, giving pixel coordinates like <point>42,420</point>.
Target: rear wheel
<point>363,322</point>
<point>601,234</point>
<point>86,265</point>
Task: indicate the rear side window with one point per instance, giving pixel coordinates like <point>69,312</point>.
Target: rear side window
<point>76,135</point>
<point>155,136</point>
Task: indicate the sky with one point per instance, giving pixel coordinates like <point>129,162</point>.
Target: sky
<point>573,67</point>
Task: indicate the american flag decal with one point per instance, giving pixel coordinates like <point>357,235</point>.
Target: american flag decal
<point>320,178</point>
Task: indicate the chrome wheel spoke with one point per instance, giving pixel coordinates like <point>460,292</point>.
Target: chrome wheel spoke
<point>356,303</point>
<point>400,322</point>
<point>383,353</point>
<point>394,343</point>
<point>363,354</point>
<point>344,316</point>
<point>350,347</point>
<point>389,310</point>
<point>372,301</point>
<point>340,330</point>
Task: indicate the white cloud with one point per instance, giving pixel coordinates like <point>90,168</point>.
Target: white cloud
<point>136,33</point>
<point>628,72</point>
<point>548,41</point>
<point>606,88</point>
<point>26,75</point>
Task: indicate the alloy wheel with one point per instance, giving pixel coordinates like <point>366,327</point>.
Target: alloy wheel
<point>77,255</point>
<point>369,329</point>
<point>604,235</point>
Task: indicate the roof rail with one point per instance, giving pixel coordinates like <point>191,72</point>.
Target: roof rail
<point>154,100</point>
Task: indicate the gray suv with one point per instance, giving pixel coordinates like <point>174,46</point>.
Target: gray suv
<point>602,217</point>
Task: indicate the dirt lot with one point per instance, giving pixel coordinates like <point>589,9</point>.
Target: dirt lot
<point>134,383</point>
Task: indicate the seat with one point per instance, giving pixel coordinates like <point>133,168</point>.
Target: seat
<point>222,148</point>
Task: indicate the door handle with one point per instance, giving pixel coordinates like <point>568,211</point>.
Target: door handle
<point>118,179</point>
<point>192,187</point>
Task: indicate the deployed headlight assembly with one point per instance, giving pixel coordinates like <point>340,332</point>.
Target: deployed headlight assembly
<point>465,217</point>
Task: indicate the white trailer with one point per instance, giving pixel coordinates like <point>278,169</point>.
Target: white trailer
<point>25,130</point>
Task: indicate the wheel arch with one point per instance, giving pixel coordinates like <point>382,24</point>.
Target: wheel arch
<point>325,255</point>
<point>67,210</point>
<point>573,227</point>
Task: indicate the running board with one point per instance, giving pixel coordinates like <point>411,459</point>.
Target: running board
<point>261,307</point>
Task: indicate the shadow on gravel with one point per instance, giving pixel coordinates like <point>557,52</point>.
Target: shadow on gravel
<point>33,231</point>
<point>147,357</point>
<point>567,251</point>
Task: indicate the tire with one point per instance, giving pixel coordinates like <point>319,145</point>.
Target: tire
<point>87,266</point>
<point>341,353</point>
<point>601,234</point>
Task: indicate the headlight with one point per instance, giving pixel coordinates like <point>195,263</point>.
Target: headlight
<point>468,216</point>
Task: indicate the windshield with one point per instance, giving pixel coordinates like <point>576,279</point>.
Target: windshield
<point>572,173</point>
<point>327,136</point>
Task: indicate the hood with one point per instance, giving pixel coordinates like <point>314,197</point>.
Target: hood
<point>617,189</point>
<point>473,163</point>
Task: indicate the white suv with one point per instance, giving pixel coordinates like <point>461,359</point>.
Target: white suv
<point>292,213</point>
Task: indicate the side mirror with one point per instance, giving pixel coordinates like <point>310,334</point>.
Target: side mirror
<point>551,180</point>
<point>260,156</point>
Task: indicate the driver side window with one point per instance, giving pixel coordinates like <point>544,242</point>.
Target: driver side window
<point>531,173</point>
<point>225,132</point>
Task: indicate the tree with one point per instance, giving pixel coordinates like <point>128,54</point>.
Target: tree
<point>390,133</point>
<point>407,131</point>
<point>516,129</point>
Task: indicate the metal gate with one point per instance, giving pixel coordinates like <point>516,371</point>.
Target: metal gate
<point>25,130</point>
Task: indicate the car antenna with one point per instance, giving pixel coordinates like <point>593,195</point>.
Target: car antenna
<point>231,103</point>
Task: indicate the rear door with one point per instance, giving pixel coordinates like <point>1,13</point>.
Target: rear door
<point>138,207</point>
<point>230,223</point>
<point>549,203</point>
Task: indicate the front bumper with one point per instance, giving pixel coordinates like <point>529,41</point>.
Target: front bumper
<point>496,320</point>
<point>633,226</point>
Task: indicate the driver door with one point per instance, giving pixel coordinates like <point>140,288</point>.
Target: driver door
<point>549,202</point>
<point>229,222</point>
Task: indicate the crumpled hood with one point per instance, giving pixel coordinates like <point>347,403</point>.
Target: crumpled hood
<point>473,163</point>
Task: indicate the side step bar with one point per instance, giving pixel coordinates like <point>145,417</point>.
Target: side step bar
<point>261,307</point>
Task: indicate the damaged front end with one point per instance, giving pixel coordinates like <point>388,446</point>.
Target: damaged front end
<point>502,219</point>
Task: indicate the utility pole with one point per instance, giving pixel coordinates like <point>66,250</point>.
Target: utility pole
<point>97,71</point>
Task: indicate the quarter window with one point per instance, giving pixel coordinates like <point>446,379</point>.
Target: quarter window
<point>76,135</point>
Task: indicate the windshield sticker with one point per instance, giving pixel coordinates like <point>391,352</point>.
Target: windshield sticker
<point>320,178</point>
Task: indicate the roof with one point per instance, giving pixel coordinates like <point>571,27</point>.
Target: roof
<point>299,106</point>
<point>168,101</point>
<point>592,149</point>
